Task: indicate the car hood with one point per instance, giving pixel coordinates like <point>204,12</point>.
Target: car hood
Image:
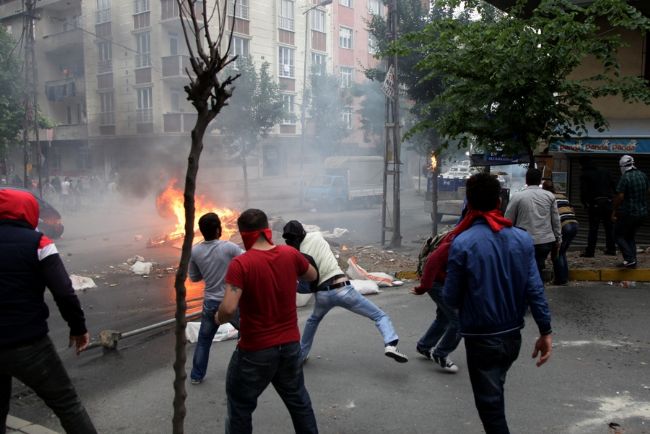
<point>19,205</point>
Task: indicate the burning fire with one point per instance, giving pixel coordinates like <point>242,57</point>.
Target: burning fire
<point>434,162</point>
<point>170,202</point>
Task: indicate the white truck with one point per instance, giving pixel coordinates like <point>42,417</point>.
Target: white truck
<point>347,180</point>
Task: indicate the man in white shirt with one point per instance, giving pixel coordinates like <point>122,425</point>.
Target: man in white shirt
<point>334,289</point>
<point>535,210</point>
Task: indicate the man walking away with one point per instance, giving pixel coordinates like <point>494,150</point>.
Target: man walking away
<point>334,289</point>
<point>629,209</point>
<point>596,188</point>
<point>569,231</point>
<point>534,210</point>
<point>262,283</point>
<point>209,262</point>
<point>492,279</point>
<point>29,261</point>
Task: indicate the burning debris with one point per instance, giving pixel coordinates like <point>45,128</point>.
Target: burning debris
<point>169,203</point>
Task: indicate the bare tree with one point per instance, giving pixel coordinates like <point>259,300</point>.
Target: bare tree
<point>208,92</point>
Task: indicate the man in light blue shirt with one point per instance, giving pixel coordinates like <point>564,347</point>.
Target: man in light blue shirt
<point>209,262</point>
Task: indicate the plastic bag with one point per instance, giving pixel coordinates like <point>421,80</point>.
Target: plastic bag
<point>81,282</point>
<point>365,287</point>
<point>224,332</point>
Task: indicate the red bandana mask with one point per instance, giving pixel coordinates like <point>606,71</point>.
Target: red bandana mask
<point>249,238</point>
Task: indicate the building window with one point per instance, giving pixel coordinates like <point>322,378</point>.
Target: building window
<point>286,21</point>
<point>240,48</point>
<point>318,20</point>
<point>168,9</point>
<point>318,64</point>
<point>71,23</point>
<point>141,6</point>
<point>346,3</point>
<point>239,9</point>
<point>106,109</point>
<point>345,37</point>
<point>103,11</point>
<point>286,62</point>
<point>104,51</point>
<point>145,105</point>
<point>372,44</point>
<point>375,7</point>
<point>347,76</point>
<point>346,117</point>
<point>288,103</point>
<point>143,45</point>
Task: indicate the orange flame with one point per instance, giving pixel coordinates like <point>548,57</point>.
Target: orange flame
<point>170,202</point>
<point>434,162</point>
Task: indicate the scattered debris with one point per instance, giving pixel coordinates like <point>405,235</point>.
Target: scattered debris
<point>82,282</point>
<point>140,267</point>
<point>132,260</point>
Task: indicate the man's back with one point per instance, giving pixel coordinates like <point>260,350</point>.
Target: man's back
<point>595,183</point>
<point>534,210</point>
<point>267,305</point>
<point>210,260</point>
<point>634,185</point>
<point>317,247</point>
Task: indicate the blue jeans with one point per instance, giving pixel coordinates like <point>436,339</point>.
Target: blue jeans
<point>541,253</point>
<point>560,264</point>
<point>38,366</point>
<point>250,372</point>
<point>625,232</point>
<point>207,330</point>
<point>443,333</point>
<point>488,361</point>
<point>350,299</point>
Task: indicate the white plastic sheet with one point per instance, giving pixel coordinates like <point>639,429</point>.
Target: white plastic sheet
<point>224,332</point>
<point>81,282</point>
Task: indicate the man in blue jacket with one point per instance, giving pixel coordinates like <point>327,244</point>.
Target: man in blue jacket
<point>29,262</point>
<point>492,278</point>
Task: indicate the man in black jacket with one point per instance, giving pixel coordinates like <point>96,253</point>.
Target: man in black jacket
<point>596,191</point>
<point>29,262</point>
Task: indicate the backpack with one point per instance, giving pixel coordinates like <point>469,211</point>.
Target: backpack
<point>427,248</point>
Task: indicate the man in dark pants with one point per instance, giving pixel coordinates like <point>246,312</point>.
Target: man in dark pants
<point>262,283</point>
<point>492,279</point>
<point>629,209</point>
<point>596,189</point>
<point>29,262</point>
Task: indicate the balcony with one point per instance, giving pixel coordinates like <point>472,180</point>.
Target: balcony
<point>62,43</point>
<point>106,119</point>
<point>169,13</point>
<point>60,90</point>
<point>179,122</point>
<point>144,116</point>
<point>71,132</point>
<point>173,67</point>
<point>285,23</point>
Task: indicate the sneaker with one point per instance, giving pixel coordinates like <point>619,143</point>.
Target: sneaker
<point>195,381</point>
<point>392,352</point>
<point>446,364</point>
<point>630,264</point>
<point>425,353</point>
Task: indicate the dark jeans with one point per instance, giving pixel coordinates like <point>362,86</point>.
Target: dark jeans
<point>443,332</point>
<point>600,212</point>
<point>250,372</point>
<point>625,232</point>
<point>206,333</point>
<point>541,253</point>
<point>560,264</point>
<point>488,361</point>
<point>40,368</point>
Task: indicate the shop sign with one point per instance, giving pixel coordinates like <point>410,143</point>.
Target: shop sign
<point>604,145</point>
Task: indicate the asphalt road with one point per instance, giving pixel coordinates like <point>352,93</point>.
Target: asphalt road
<point>598,373</point>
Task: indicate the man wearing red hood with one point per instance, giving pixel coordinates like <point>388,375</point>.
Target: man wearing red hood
<point>29,261</point>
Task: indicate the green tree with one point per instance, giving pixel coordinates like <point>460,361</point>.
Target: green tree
<point>253,110</point>
<point>327,101</point>
<point>511,81</point>
<point>11,96</point>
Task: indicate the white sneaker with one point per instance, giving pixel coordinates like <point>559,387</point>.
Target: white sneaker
<point>392,352</point>
<point>445,363</point>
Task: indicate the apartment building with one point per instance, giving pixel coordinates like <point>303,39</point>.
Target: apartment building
<point>111,75</point>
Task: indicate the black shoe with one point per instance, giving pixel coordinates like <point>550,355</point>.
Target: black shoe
<point>424,352</point>
<point>586,255</point>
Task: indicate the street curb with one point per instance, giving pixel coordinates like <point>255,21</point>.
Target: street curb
<point>582,274</point>
<point>16,425</point>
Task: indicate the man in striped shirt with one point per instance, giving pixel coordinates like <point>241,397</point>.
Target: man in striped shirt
<point>569,226</point>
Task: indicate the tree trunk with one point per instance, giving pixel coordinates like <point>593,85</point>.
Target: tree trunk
<point>181,274</point>
<point>245,172</point>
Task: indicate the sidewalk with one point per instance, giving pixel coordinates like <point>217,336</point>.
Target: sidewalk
<point>18,426</point>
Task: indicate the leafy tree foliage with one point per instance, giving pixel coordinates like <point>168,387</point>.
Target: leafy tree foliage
<point>11,93</point>
<point>511,81</point>
<point>254,109</point>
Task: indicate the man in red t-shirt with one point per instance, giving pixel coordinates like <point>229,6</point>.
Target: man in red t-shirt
<point>262,283</point>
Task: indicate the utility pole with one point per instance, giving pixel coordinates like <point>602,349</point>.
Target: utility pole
<point>393,140</point>
<point>30,120</point>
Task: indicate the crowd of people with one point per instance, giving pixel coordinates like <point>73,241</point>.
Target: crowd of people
<point>483,276</point>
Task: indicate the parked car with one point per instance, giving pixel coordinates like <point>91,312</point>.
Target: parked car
<point>49,219</point>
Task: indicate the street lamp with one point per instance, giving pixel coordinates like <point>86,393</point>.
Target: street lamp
<point>303,113</point>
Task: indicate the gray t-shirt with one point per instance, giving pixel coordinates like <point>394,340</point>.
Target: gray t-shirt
<point>209,262</point>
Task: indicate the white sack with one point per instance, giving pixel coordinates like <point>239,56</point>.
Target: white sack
<point>365,287</point>
<point>81,282</point>
<point>142,267</point>
<point>302,299</point>
<point>224,332</point>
